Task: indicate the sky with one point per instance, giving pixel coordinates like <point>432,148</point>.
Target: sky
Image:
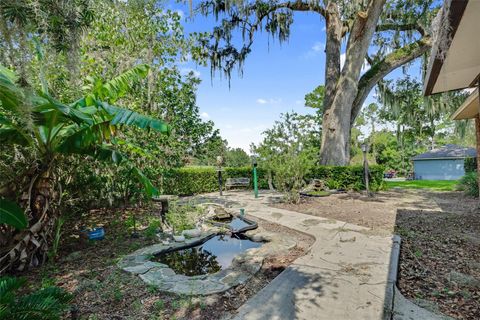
<point>275,79</point>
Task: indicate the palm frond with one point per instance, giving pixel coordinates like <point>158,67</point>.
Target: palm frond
<point>117,87</point>
<point>11,214</point>
<point>147,184</point>
<point>10,95</point>
<point>8,285</point>
<point>44,304</point>
<point>132,118</point>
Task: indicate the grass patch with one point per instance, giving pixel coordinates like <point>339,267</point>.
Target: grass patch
<point>437,185</point>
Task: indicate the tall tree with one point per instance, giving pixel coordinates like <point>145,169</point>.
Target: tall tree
<point>395,30</point>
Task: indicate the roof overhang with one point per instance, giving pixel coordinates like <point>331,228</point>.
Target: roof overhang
<point>469,109</point>
<point>461,66</point>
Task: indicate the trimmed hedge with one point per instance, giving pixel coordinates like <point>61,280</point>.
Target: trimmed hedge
<point>349,177</point>
<point>194,180</point>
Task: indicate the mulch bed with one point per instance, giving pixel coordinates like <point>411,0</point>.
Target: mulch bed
<point>440,261</point>
<point>102,291</point>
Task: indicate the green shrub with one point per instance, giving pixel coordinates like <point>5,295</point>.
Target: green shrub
<point>194,180</point>
<point>290,171</point>
<point>45,304</point>
<point>470,165</point>
<point>469,184</point>
<point>348,177</point>
<point>182,217</point>
<point>153,226</point>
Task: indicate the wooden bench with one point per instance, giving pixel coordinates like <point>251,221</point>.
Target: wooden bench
<point>237,182</point>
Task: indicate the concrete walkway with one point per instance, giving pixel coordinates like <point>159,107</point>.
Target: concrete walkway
<point>344,276</point>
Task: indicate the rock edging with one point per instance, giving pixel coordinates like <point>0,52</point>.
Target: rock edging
<point>243,267</point>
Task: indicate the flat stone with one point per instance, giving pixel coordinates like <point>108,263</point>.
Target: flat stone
<point>144,267</point>
<point>192,233</point>
<point>158,276</point>
<point>179,238</point>
<point>235,278</point>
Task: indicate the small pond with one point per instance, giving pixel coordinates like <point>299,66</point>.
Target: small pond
<point>235,223</point>
<point>211,256</point>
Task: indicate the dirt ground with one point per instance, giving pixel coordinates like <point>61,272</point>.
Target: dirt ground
<point>102,291</point>
<point>440,253</point>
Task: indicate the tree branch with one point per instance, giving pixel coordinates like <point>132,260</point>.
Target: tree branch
<point>400,27</point>
<point>300,6</point>
<point>378,71</point>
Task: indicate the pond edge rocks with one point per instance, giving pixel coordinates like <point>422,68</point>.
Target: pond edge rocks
<point>243,266</point>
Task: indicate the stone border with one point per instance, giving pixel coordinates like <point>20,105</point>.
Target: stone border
<point>243,266</point>
<point>392,278</point>
<point>397,306</point>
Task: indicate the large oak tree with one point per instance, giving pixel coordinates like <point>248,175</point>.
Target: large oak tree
<point>386,34</point>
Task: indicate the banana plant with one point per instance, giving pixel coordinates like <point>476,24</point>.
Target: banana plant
<point>52,129</point>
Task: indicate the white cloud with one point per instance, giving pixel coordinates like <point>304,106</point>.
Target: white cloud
<point>318,47</point>
<point>269,101</point>
<point>185,71</point>
<point>261,101</point>
<point>240,136</point>
<point>204,115</point>
<point>299,102</point>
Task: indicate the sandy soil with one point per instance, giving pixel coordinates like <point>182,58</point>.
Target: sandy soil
<point>380,211</point>
<point>440,253</point>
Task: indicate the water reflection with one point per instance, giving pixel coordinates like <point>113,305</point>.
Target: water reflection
<point>213,255</point>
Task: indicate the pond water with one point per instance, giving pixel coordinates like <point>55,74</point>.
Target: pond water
<point>238,224</point>
<point>211,256</point>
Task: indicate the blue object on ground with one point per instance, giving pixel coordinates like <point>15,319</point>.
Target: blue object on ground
<point>96,234</point>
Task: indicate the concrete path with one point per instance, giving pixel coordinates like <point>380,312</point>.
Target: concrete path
<point>344,276</point>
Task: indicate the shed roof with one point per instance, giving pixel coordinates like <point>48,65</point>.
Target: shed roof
<point>449,151</point>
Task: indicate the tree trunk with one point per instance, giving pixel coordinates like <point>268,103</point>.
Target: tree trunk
<point>338,109</point>
<point>270,180</point>
<point>29,247</point>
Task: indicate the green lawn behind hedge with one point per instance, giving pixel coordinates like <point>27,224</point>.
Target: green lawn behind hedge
<point>437,185</point>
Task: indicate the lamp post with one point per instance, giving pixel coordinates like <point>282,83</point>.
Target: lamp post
<point>219,171</point>
<point>255,182</point>
<point>364,147</point>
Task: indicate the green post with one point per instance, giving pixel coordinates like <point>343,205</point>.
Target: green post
<point>255,182</point>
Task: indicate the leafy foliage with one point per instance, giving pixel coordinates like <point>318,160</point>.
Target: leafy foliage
<point>11,214</point>
<point>469,184</point>
<point>182,217</point>
<point>470,165</point>
<point>348,177</point>
<point>45,304</point>
<point>194,180</point>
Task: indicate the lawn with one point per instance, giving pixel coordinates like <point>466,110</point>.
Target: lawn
<point>437,185</point>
